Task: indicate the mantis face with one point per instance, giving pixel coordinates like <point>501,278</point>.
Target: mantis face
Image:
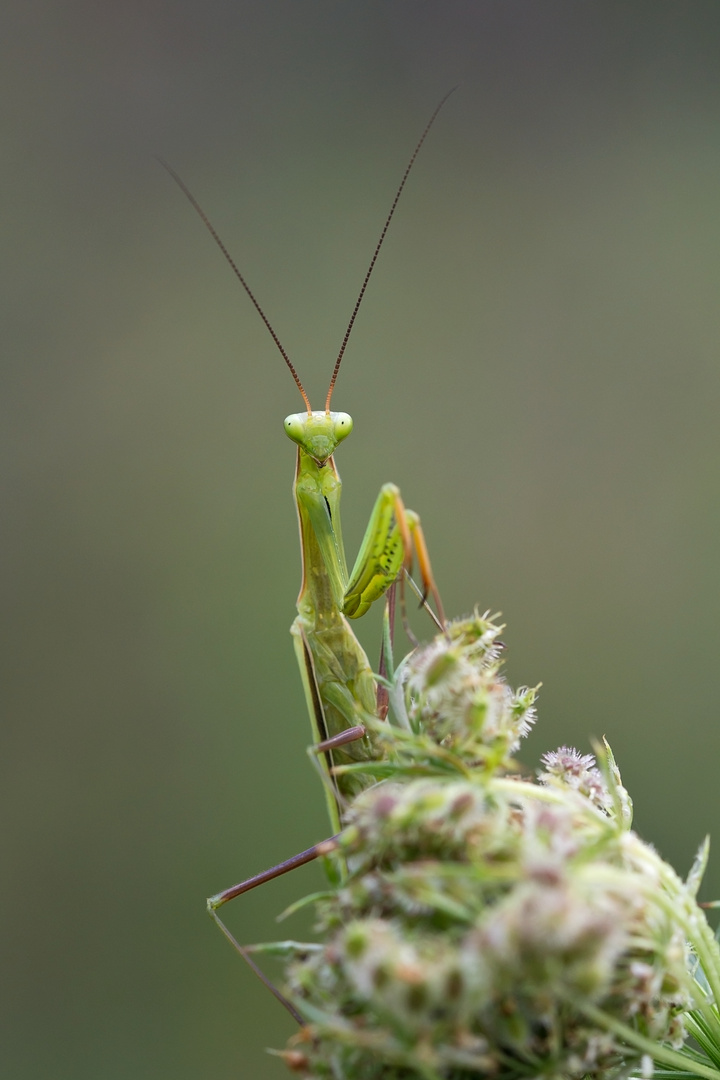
<point>318,433</point>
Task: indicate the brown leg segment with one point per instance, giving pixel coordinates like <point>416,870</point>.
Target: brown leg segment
<point>325,847</point>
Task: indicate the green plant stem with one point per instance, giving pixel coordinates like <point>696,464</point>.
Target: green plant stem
<point>663,1054</point>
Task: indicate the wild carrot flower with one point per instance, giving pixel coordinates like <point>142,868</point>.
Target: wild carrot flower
<point>493,926</point>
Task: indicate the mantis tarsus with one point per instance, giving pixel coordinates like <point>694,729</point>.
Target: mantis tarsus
<point>340,689</point>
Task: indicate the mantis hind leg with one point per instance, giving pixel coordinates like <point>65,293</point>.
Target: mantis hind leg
<point>325,847</point>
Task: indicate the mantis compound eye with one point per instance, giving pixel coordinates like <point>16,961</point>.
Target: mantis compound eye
<point>295,426</point>
<point>343,425</point>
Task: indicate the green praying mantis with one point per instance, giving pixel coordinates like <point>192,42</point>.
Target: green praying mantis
<point>343,697</point>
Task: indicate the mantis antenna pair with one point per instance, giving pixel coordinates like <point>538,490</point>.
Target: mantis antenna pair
<point>342,695</point>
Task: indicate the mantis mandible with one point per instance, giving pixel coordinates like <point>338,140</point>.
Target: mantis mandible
<point>340,688</point>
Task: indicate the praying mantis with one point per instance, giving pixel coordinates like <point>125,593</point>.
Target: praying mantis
<point>341,692</point>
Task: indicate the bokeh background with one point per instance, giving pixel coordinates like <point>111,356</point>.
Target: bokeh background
<point>536,364</point>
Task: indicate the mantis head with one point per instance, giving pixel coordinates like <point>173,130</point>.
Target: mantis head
<point>318,433</point>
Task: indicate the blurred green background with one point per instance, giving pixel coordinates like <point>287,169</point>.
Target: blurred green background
<point>536,364</point>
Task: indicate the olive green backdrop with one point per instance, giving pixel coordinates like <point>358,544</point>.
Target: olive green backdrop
<point>536,364</point>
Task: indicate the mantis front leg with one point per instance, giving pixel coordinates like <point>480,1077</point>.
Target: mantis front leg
<point>393,533</point>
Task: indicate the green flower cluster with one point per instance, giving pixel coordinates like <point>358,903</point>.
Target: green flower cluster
<point>492,926</point>
<point>453,692</point>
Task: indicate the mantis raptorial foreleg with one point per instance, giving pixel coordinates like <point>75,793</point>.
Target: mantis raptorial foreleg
<point>393,533</point>
<point>341,692</point>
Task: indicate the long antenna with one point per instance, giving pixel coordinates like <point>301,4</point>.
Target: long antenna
<point>211,229</point>
<point>371,267</point>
